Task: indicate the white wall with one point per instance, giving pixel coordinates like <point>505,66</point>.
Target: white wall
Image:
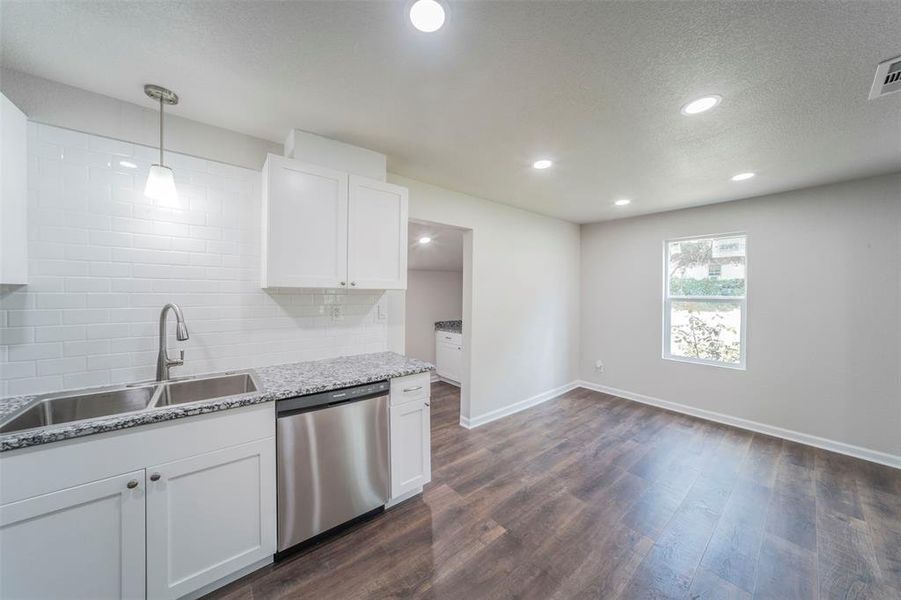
<point>431,296</point>
<point>103,261</point>
<point>54,103</point>
<point>522,325</point>
<point>824,311</point>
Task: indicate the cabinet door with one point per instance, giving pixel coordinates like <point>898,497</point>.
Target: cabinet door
<point>82,542</point>
<point>455,360</point>
<point>444,360</point>
<point>377,235</point>
<point>208,516</point>
<point>411,464</point>
<point>13,194</point>
<point>304,225</point>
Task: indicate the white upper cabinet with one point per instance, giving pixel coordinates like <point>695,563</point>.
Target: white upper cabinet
<point>324,228</point>
<point>13,194</point>
<point>304,225</point>
<point>377,235</point>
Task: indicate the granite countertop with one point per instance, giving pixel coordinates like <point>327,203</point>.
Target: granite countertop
<point>276,382</point>
<point>449,326</point>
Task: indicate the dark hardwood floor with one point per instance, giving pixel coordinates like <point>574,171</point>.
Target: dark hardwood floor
<point>592,496</point>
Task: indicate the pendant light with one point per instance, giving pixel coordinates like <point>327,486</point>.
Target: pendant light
<point>160,181</point>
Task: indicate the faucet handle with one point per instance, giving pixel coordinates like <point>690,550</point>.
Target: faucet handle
<point>178,361</point>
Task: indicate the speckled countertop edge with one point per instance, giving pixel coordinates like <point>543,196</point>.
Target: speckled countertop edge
<point>449,326</point>
<point>276,382</point>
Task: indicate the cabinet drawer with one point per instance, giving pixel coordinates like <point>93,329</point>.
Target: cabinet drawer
<point>411,387</point>
<point>446,337</point>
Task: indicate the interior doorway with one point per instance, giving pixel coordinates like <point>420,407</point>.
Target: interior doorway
<point>437,302</point>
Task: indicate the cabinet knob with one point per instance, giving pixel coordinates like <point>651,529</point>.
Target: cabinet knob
<point>343,283</point>
<point>132,484</point>
<point>155,477</point>
<point>353,283</point>
<point>427,404</point>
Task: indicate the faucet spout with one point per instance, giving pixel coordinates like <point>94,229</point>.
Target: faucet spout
<point>163,362</point>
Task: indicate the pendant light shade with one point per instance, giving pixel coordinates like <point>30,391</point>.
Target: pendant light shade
<point>161,181</point>
<point>161,185</point>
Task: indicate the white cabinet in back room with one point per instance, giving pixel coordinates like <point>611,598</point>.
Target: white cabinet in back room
<point>449,355</point>
<point>323,228</point>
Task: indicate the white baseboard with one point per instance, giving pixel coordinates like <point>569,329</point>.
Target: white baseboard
<point>500,413</point>
<point>795,436</point>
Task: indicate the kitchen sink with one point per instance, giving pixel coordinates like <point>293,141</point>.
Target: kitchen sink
<point>65,407</point>
<point>195,390</point>
<point>57,408</point>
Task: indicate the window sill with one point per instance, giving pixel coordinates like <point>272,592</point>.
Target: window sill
<point>707,363</point>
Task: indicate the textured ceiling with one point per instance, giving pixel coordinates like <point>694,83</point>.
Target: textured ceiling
<point>443,253</point>
<point>597,86</point>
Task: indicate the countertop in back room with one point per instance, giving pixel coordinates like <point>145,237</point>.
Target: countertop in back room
<point>449,326</point>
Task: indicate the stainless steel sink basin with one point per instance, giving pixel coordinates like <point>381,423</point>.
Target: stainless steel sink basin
<point>65,407</point>
<point>195,390</point>
<point>60,408</point>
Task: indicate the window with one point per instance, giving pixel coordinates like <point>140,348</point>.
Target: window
<point>705,300</point>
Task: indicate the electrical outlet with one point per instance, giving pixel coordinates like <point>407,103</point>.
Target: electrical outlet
<point>599,366</point>
<point>382,311</point>
<point>337,312</point>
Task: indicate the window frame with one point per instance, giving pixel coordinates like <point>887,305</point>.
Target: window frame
<point>742,365</point>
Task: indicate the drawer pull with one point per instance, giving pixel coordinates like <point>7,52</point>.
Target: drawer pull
<point>412,389</point>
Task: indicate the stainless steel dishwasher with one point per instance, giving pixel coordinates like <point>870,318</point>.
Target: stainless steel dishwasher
<point>332,455</point>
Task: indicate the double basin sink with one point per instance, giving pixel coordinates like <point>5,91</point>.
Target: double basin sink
<point>65,407</point>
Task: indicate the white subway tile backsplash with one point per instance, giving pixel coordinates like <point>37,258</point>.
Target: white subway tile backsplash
<point>105,259</point>
<point>59,334</point>
<point>34,351</point>
<point>14,336</point>
<point>111,238</point>
<point>57,366</point>
<point>25,318</point>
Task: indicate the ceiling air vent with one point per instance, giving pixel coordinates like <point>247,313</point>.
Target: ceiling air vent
<point>888,78</point>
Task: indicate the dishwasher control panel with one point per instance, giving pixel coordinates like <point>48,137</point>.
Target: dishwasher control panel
<point>323,399</point>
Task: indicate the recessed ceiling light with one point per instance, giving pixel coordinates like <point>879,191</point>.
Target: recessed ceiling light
<point>743,176</point>
<point>127,164</point>
<point>623,202</point>
<point>542,164</point>
<point>700,105</point>
<point>427,15</point>
<point>425,239</point>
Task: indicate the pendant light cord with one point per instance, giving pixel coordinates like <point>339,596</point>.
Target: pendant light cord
<point>161,130</point>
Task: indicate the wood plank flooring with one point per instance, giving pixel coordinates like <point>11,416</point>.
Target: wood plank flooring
<point>592,496</point>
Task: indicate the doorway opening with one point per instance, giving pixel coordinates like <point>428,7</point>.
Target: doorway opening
<point>437,302</point>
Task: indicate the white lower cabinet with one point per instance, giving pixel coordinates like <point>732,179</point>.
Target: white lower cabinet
<point>85,541</point>
<point>194,504</point>
<point>449,355</point>
<point>411,464</point>
<point>209,516</point>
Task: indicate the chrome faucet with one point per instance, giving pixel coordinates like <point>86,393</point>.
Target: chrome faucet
<point>163,362</point>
